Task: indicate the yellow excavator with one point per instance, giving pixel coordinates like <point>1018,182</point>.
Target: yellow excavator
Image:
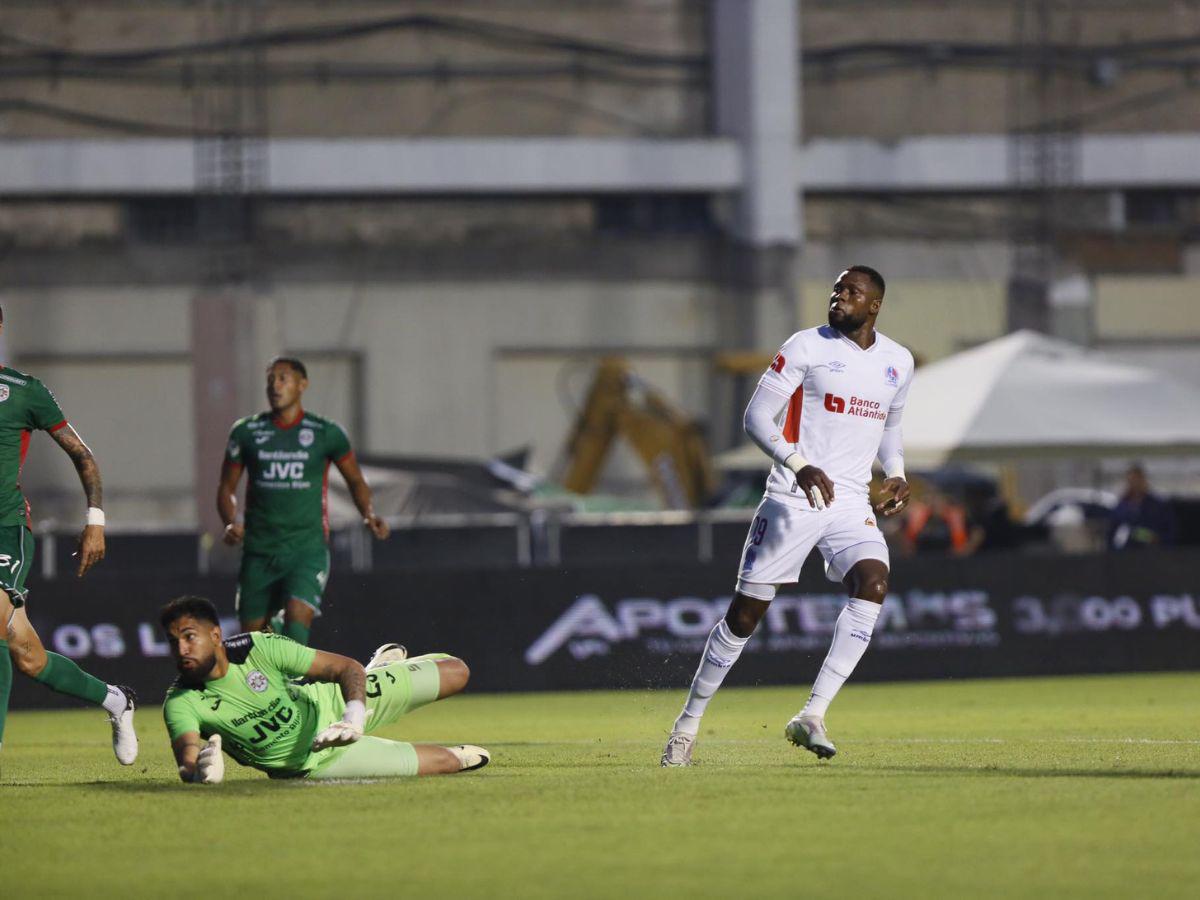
<point>673,447</point>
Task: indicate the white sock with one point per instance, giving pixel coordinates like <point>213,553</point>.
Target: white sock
<point>116,701</point>
<point>720,653</point>
<point>851,634</point>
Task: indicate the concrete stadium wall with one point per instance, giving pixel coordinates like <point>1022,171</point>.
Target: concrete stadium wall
<point>460,369</point>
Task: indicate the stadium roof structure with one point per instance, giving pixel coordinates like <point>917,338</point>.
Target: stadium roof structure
<point>1027,395</point>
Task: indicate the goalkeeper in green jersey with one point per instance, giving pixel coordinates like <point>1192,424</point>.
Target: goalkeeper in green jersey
<point>286,453</point>
<point>239,695</point>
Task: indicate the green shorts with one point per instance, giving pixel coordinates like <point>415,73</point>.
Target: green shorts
<point>16,558</point>
<point>266,583</point>
<point>392,691</point>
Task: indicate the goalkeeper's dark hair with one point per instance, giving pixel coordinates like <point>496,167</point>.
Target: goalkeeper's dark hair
<point>296,365</point>
<point>199,608</point>
<point>875,277</point>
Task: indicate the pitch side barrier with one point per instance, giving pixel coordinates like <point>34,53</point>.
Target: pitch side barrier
<point>437,540</point>
<point>641,626</point>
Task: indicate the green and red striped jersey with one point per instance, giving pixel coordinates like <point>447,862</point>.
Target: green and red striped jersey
<point>26,405</point>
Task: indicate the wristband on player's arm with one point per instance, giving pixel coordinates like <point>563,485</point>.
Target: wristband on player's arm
<point>95,516</point>
<point>355,714</point>
<point>796,462</point>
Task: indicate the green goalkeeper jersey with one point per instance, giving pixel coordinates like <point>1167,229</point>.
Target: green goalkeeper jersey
<point>26,405</point>
<point>264,719</point>
<point>287,469</point>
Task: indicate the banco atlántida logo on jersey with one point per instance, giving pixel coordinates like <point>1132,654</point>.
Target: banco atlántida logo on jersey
<point>856,406</point>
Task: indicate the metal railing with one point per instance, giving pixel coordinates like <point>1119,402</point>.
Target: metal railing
<point>540,538</point>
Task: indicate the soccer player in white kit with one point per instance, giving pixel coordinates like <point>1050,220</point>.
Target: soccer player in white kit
<point>839,391</point>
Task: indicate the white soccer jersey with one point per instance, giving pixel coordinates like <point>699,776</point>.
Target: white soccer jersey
<point>840,396</point>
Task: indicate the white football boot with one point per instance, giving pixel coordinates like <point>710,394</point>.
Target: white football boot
<point>387,654</point>
<point>809,732</point>
<point>678,751</point>
<point>471,757</point>
<point>124,738</point>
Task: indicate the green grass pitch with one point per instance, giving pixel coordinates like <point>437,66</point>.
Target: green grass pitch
<point>1073,787</point>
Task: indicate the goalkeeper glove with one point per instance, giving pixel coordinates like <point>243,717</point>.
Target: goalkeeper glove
<point>347,731</point>
<point>210,764</point>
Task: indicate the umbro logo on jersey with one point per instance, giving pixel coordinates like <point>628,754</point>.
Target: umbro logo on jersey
<point>837,366</point>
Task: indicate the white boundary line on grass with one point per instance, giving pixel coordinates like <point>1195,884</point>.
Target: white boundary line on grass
<point>1066,740</point>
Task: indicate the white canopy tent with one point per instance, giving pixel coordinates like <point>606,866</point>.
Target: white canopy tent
<point>1027,396</point>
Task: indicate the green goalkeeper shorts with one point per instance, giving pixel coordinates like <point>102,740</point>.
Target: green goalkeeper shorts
<point>371,757</point>
<point>266,583</point>
<point>16,558</point>
<point>392,691</point>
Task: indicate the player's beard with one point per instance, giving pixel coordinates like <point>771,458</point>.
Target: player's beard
<point>846,323</point>
<point>198,673</point>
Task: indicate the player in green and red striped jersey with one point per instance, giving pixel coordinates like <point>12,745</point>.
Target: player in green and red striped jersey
<point>286,453</point>
<point>26,405</point>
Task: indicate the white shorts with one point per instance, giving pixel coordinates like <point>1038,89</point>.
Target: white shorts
<point>783,534</point>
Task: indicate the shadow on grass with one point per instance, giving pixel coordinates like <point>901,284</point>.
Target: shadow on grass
<point>237,788</point>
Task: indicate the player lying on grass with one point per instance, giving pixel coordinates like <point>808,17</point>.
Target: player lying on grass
<point>239,695</point>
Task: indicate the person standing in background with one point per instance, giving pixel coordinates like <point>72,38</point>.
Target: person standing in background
<point>286,453</point>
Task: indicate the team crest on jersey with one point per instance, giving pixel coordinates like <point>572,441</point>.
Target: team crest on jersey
<point>257,681</point>
<point>3,392</point>
<point>306,437</point>
<point>891,375</point>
